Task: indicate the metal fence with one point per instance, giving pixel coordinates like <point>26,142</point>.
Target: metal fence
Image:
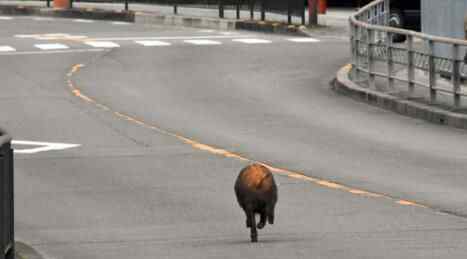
<point>379,62</point>
<point>7,238</point>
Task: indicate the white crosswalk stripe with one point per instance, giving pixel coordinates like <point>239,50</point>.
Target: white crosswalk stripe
<point>52,46</point>
<point>150,43</point>
<point>203,42</point>
<point>252,41</point>
<point>6,18</point>
<point>303,40</point>
<point>83,20</point>
<point>120,23</point>
<point>102,44</point>
<point>6,48</point>
<point>43,18</point>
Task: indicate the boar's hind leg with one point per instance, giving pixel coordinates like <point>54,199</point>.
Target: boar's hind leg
<point>248,219</point>
<point>270,212</point>
<point>262,221</point>
<point>253,232</point>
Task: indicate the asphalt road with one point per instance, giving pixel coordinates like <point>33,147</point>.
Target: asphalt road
<point>164,130</point>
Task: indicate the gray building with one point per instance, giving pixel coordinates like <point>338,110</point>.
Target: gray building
<point>444,18</point>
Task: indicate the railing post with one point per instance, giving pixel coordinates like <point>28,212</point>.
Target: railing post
<point>455,78</point>
<point>10,172</point>
<point>238,10</point>
<point>48,3</point>
<point>289,13</point>
<point>221,9</point>
<point>390,61</point>
<point>126,5</point>
<point>7,236</point>
<point>263,10</point>
<point>410,65</point>
<point>252,9</point>
<point>432,70</point>
<point>175,9</point>
<point>371,65</point>
<point>387,11</point>
<point>303,13</point>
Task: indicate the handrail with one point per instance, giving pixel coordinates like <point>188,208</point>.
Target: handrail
<point>375,56</point>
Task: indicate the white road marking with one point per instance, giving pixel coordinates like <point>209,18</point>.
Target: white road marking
<point>171,38</point>
<point>42,52</point>
<point>6,49</point>
<point>206,31</point>
<point>203,42</point>
<point>228,33</point>
<point>40,146</point>
<point>120,23</point>
<point>102,44</point>
<point>83,20</point>
<point>252,41</point>
<point>51,36</point>
<point>43,19</point>
<point>26,35</point>
<point>52,46</point>
<point>304,39</point>
<point>6,18</point>
<point>150,43</point>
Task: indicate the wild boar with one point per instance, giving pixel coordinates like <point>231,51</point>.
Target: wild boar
<point>256,193</point>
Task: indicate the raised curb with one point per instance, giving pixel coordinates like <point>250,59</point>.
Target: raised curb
<point>83,13</point>
<point>342,84</point>
<point>219,24</point>
<point>271,27</point>
<point>187,21</point>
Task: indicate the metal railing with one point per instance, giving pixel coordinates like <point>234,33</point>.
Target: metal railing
<point>379,62</point>
<point>7,237</point>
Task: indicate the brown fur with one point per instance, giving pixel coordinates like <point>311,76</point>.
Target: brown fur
<point>256,193</point>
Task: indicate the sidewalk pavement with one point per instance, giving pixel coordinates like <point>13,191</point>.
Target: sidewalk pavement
<point>335,21</point>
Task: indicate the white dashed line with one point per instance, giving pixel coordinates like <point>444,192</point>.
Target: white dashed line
<point>44,52</point>
<point>43,19</point>
<point>228,33</point>
<point>83,20</point>
<point>120,23</point>
<point>206,31</point>
<point>151,43</point>
<point>303,40</point>
<point>203,42</point>
<point>6,49</point>
<point>52,46</point>
<point>252,41</point>
<point>6,18</point>
<point>102,44</point>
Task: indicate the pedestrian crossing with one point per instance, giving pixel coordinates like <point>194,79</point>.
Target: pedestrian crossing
<point>69,42</point>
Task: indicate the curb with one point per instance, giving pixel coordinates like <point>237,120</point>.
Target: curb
<point>84,13</point>
<point>187,21</point>
<point>342,84</point>
<point>220,24</point>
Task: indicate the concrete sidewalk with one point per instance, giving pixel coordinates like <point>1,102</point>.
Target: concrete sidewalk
<point>334,21</point>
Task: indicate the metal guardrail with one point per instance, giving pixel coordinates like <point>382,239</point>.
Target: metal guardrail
<point>7,237</point>
<point>376,56</point>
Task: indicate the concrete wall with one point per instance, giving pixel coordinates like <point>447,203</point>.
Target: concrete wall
<point>444,18</point>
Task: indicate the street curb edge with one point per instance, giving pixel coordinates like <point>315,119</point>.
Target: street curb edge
<point>343,85</point>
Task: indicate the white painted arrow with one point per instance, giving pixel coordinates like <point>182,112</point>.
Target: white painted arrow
<point>40,146</point>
